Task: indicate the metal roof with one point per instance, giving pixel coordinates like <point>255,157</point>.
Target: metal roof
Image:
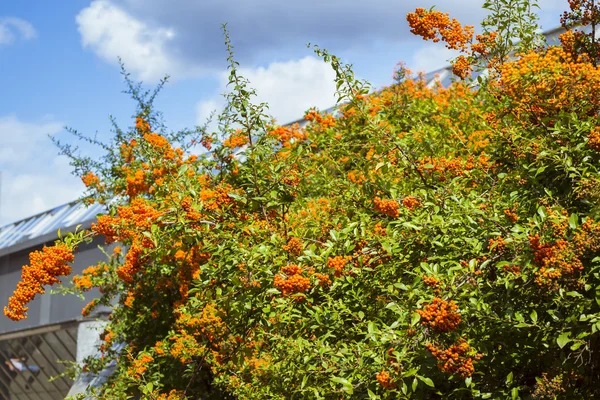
<point>44,226</point>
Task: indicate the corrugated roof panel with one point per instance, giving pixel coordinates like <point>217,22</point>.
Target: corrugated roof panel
<point>64,216</point>
<point>40,222</point>
<point>74,217</point>
<point>56,222</point>
<point>19,229</point>
<point>41,227</point>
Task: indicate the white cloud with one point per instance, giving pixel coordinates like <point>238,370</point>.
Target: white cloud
<point>110,32</point>
<point>183,37</point>
<point>290,88</point>
<point>11,28</point>
<point>34,177</point>
<point>430,57</point>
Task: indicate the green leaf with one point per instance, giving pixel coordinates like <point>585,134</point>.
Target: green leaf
<point>534,316</point>
<point>577,345</point>
<point>426,381</point>
<point>563,339</point>
<point>414,319</point>
<point>519,317</point>
<point>334,235</point>
<point>415,383</point>
<point>371,327</point>
<point>542,212</point>
<point>509,378</point>
<point>411,225</point>
<point>304,380</point>
<point>573,221</point>
<point>514,393</point>
<point>523,325</point>
<point>347,386</point>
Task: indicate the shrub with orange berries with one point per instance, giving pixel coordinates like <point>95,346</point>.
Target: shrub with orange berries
<point>329,260</point>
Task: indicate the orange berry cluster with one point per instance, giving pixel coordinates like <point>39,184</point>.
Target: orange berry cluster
<point>556,261</point>
<point>286,134</point>
<point>594,138</point>
<point>83,282</point>
<point>237,139</point>
<point>291,179</point>
<point>338,263</point>
<point>379,230</point>
<point>136,183</point>
<point>186,347</point>
<point>568,42</point>
<point>513,269</point>
<point>582,13</point>
<point>586,240</point>
<point>456,359</point>
<point>484,42</point>
<point>140,214</point>
<point>294,246</point>
<point>139,366</point>
<point>385,380</point>
<point>157,141</point>
<point>217,199</point>
<point>208,325</point>
<point>546,388</point>
<point>89,307</point>
<point>461,67</point>
<point>511,215</point>
<point>172,395</point>
<point>133,263</point>
<point>440,315</point>
<point>189,268</point>
<point>206,142</point>
<point>291,280</point>
<point>497,245</point>
<point>447,168</point>
<point>45,266</point>
<point>90,179</point>
<point>388,207</point>
<point>431,281</point>
<point>323,279</point>
<point>322,121</point>
<point>436,26</point>
<point>356,177</point>
<point>106,226</point>
<point>142,125</point>
<point>411,202</point>
<point>568,86</point>
<point>126,151</point>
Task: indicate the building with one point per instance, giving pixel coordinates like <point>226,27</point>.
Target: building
<point>30,349</point>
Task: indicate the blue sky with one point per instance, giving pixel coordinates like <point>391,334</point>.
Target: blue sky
<point>58,67</point>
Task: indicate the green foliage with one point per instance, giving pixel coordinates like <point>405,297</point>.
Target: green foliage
<point>516,23</point>
<point>428,243</point>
